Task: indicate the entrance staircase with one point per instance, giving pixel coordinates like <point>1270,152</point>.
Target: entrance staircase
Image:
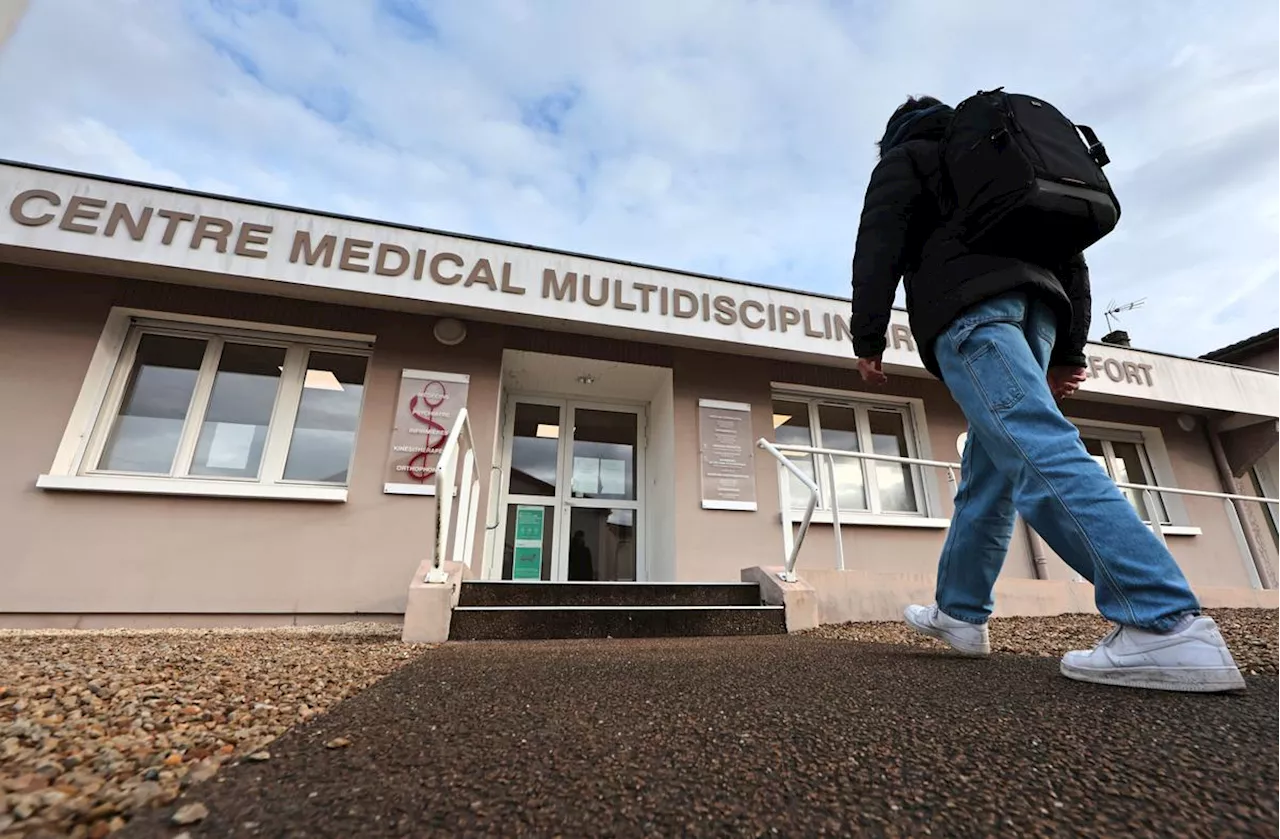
<point>489,610</point>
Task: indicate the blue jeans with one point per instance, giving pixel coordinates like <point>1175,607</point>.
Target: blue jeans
<point>1022,454</point>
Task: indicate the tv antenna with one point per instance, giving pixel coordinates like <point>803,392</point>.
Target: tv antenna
<point>1113,311</point>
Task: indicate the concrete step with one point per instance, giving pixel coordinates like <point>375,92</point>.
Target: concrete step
<point>520,623</point>
<point>496,593</point>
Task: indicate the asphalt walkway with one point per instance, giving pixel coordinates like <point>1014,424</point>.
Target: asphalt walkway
<point>771,736</point>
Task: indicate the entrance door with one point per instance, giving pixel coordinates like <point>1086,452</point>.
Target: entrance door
<point>572,492</point>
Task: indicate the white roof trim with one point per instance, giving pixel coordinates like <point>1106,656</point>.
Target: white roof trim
<point>210,240</point>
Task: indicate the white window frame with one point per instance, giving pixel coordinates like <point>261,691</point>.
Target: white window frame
<point>1155,458</point>
<point>74,466</point>
<point>1144,461</point>
<point>912,412</point>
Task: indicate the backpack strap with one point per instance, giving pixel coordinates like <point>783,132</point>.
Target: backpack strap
<point>1096,150</point>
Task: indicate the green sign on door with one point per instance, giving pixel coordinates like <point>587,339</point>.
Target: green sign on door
<point>526,555</point>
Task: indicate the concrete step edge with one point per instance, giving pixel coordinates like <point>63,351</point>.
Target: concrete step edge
<point>549,583</point>
<point>717,608</point>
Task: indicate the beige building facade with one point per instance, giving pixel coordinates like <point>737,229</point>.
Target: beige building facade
<point>1248,452</point>
<point>216,411</point>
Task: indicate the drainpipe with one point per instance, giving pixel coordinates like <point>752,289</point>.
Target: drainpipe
<point>1229,486</point>
<point>1039,564</point>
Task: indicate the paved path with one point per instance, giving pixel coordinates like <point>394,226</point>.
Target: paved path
<point>786,736</point>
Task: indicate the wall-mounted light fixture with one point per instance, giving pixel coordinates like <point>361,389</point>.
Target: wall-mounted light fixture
<point>449,331</point>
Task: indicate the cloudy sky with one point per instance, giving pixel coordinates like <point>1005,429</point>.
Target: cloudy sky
<point>730,137</point>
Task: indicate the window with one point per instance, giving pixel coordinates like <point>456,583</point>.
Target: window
<point>208,409</point>
<point>860,486</point>
<point>1123,456</point>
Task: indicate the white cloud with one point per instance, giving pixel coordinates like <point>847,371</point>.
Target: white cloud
<point>712,135</point>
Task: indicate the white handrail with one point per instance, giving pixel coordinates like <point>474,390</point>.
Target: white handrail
<point>457,531</point>
<point>792,548</point>
<point>789,570</point>
<point>832,454</point>
<point>889,458</point>
<point>1199,493</point>
<point>1149,493</point>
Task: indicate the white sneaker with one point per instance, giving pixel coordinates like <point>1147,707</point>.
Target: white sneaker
<point>1193,658</point>
<point>964,637</point>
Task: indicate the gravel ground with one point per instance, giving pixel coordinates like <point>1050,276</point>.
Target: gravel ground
<point>98,726</point>
<point>750,737</point>
<point>1252,634</point>
<point>98,729</point>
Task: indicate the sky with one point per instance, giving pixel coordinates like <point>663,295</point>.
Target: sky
<point>728,137</point>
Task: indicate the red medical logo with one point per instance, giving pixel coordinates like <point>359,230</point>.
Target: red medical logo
<point>422,407</point>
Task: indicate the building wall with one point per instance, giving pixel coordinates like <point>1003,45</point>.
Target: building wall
<point>1264,358</point>
<point>711,543</point>
<point>96,552</point>
<point>1267,359</point>
<point>1246,449</point>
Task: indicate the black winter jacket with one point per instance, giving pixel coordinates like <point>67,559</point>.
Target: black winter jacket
<point>902,235</point>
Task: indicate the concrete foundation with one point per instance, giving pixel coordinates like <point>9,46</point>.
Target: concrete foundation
<point>798,598</point>
<point>429,609</point>
<point>183,620</point>
<point>844,596</point>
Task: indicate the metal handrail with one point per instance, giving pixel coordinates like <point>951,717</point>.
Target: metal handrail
<point>789,573</point>
<point>1149,493</point>
<point>792,544</point>
<point>1199,493</point>
<point>886,458</point>
<point>447,525</point>
<point>890,458</point>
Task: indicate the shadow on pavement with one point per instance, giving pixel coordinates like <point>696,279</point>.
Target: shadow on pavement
<point>746,736</point>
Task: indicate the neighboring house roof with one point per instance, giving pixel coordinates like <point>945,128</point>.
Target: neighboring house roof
<point>1233,351</point>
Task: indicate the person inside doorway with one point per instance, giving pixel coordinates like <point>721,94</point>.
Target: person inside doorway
<point>1007,338</point>
<point>581,567</point>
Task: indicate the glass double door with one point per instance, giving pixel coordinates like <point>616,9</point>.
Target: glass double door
<point>572,490</point>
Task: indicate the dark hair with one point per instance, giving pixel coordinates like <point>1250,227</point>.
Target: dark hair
<point>913,104</point>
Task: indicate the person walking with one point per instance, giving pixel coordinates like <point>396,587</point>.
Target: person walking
<point>1007,337</point>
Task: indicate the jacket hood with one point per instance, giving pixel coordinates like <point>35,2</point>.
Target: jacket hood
<point>926,124</point>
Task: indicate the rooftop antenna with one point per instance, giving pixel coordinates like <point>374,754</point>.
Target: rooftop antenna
<point>1118,337</point>
<point>1113,311</point>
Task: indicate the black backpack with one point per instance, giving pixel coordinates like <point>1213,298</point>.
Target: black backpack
<point>1020,182</point>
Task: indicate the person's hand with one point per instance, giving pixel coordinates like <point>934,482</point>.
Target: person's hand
<point>1065,381</point>
<point>871,371</point>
